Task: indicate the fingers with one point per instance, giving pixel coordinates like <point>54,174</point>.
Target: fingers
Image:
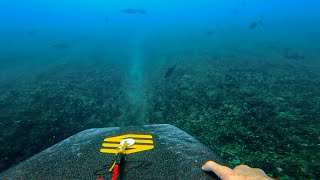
<point>260,171</point>
<point>219,170</point>
<point>245,170</point>
<point>242,169</point>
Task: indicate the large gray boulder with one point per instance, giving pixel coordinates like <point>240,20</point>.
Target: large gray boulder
<point>176,155</point>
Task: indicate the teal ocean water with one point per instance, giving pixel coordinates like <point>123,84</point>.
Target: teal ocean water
<point>241,76</point>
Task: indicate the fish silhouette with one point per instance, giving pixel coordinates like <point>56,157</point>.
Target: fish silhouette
<point>289,54</point>
<point>106,19</point>
<point>60,46</point>
<point>170,71</point>
<point>32,33</point>
<point>255,24</point>
<point>134,11</point>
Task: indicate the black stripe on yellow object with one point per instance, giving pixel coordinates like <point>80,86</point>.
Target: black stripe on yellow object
<point>143,142</point>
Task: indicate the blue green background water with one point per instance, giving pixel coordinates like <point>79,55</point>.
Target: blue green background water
<point>69,66</point>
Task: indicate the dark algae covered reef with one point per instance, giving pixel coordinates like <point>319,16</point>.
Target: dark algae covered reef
<point>242,77</point>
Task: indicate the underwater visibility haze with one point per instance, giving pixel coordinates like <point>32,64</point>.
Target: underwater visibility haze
<point>243,77</point>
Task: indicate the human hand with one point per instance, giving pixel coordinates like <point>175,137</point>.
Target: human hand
<point>241,172</point>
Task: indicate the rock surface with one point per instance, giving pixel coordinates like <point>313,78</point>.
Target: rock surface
<point>176,155</point>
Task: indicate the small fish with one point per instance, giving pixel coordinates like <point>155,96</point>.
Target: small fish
<point>106,19</point>
<point>293,55</point>
<point>209,33</point>
<point>255,24</point>
<point>32,33</point>
<point>134,11</point>
<point>60,46</point>
<point>235,11</point>
<point>170,71</point>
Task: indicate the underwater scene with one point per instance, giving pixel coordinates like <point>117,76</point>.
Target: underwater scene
<point>242,77</point>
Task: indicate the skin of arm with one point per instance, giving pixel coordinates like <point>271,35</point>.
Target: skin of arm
<point>241,172</point>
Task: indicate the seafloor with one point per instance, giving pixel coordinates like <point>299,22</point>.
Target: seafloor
<point>261,109</point>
